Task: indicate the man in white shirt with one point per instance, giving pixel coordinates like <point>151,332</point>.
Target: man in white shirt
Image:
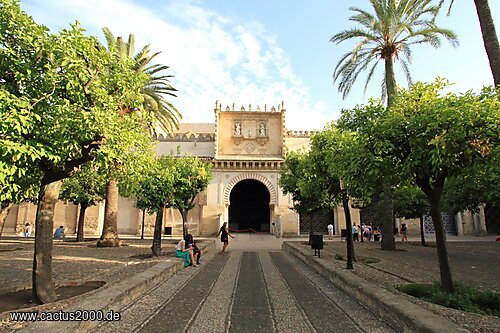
<point>330,231</point>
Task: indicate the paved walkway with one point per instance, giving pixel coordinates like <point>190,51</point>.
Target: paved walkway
<point>246,291</point>
<point>257,283</point>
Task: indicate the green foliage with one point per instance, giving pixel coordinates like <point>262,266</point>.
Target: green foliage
<point>474,186</point>
<point>347,158</point>
<point>158,85</point>
<point>465,298</point>
<point>56,95</point>
<point>192,176</point>
<point>156,185</point>
<point>388,34</point>
<point>172,182</point>
<point>297,177</point>
<point>432,137</point>
<point>410,202</point>
<point>86,186</point>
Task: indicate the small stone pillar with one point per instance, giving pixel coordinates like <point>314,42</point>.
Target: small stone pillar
<point>459,223</point>
<point>279,233</point>
<point>482,221</point>
<point>336,221</point>
<point>398,224</point>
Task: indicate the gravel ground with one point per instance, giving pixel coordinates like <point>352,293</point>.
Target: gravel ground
<point>476,263</point>
<point>73,263</point>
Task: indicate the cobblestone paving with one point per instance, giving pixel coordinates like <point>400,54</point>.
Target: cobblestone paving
<point>475,262</point>
<point>72,261</point>
<point>246,292</point>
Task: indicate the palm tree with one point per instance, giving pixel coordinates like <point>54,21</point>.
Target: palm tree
<point>155,103</point>
<point>490,38</point>
<point>158,86</point>
<point>388,34</point>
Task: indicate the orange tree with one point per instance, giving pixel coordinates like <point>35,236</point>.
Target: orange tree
<point>59,89</point>
<point>431,137</point>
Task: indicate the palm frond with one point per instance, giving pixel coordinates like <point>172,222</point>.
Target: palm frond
<point>158,85</point>
<point>391,28</point>
<point>110,38</point>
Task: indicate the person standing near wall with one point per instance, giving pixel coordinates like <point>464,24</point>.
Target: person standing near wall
<point>404,231</point>
<point>330,231</point>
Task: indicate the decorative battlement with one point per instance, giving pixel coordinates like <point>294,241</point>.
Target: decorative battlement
<point>186,137</point>
<point>246,165</point>
<point>266,108</point>
<point>300,134</point>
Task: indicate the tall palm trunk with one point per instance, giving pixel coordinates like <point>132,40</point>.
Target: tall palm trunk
<point>109,237</point>
<point>489,37</point>
<point>4,212</point>
<point>43,286</point>
<point>385,211</point>
<point>390,80</point>
<point>81,221</point>
<point>156,248</point>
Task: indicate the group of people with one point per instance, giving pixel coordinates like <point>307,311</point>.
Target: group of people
<point>366,233</point>
<point>189,251</point>
<point>59,233</point>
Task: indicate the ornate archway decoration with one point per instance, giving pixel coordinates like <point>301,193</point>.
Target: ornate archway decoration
<point>260,178</point>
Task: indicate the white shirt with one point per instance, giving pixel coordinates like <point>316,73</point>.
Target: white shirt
<point>181,245</point>
<point>330,227</point>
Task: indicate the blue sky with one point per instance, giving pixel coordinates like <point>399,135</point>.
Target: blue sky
<point>262,52</point>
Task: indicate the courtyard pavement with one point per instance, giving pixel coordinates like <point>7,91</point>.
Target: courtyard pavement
<point>473,259</point>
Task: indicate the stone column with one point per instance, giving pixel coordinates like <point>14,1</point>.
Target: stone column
<point>459,222</point>
<point>477,224</point>
<point>100,217</point>
<point>398,223</point>
<point>336,221</point>
<point>482,221</point>
<point>279,233</point>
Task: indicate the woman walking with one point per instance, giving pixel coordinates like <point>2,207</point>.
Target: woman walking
<point>224,236</point>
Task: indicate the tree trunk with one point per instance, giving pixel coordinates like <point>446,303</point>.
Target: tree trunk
<point>156,248</point>
<point>81,221</point>
<point>489,37</point>
<point>109,237</point>
<point>310,230</point>
<point>434,197</point>
<point>142,227</point>
<point>4,212</point>
<point>43,286</point>
<point>184,222</point>
<point>422,236</point>
<point>348,224</point>
<point>385,211</point>
<point>390,81</point>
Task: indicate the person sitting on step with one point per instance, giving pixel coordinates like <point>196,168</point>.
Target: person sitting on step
<point>185,252</point>
<point>191,243</point>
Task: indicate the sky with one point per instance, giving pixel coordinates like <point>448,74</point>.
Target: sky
<point>265,52</point>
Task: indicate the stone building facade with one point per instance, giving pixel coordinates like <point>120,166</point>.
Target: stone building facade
<point>246,146</point>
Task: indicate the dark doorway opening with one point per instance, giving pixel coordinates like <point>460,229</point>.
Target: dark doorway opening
<point>492,217</point>
<point>249,206</point>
